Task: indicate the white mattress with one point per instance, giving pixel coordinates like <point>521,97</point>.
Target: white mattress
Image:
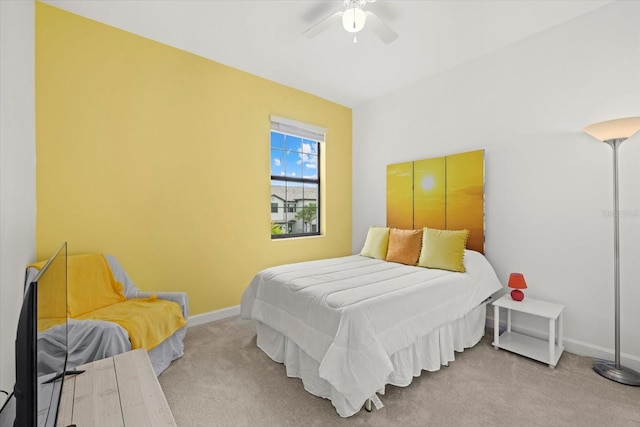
<point>351,314</point>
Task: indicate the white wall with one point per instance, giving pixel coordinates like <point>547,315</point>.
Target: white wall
<point>17,171</point>
<point>547,184</point>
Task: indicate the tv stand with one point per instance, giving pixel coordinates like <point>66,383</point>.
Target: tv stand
<point>119,390</point>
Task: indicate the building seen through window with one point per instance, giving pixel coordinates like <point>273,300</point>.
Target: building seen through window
<point>295,185</point>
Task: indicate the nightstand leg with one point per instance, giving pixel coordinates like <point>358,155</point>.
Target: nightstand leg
<point>508,320</point>
<point>552,342</point>
<point>560,331</point>
<point>496,326</point>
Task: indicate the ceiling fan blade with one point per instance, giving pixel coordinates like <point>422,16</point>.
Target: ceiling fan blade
<point>322,25</point>
<point>382,30</point>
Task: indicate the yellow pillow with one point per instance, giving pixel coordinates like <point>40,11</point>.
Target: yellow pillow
<point>443,249</point>
<point>404,246</point>
<point>375,246</point>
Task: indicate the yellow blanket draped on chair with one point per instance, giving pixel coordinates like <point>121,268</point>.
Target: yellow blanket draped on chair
<point>94,294</point>
<point>149,321</point>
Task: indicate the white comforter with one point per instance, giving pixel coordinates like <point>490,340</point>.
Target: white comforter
<point>351,313</point>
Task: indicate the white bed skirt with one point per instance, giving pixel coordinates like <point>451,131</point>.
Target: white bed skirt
<point>428,353</point>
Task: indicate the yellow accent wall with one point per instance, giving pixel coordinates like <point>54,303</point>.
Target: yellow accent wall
<point>161,158</point>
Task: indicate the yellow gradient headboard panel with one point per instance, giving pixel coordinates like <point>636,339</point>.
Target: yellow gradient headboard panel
<point>442,192</point>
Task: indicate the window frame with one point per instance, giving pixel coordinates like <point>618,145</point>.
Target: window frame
<point>299,180</point>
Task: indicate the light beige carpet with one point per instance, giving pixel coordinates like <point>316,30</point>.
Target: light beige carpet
<point>225,380</point>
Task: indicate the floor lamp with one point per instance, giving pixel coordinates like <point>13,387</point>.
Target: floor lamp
<point>614,133</point>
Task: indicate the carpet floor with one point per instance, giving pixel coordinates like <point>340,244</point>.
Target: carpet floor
<point>223,379</point>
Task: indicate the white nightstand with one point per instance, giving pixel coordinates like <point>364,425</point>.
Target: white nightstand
<point>535,348</point>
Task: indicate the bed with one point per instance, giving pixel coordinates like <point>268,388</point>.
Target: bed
<point>415,294</point>
<point>348,326</point>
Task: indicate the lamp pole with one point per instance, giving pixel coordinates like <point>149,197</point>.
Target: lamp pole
<point>615,144</point>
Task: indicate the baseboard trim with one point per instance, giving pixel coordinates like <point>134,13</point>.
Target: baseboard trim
<point>581,348</point>
<point>212,316</point>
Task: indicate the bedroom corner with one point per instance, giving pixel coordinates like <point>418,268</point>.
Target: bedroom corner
<point>161,158</point>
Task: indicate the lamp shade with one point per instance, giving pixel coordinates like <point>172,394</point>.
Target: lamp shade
<point>614,129</point>
<point>516,281</point>
<point>353,19</point>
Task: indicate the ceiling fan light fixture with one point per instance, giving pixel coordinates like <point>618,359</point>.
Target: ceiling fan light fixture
<point>353,18</point>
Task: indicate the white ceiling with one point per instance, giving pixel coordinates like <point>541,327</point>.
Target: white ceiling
<point>265,37</point>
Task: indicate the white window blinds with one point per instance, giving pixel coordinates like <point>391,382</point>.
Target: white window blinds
<point>293,127</point>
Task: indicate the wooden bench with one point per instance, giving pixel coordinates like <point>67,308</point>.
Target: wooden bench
<point>117,391</point>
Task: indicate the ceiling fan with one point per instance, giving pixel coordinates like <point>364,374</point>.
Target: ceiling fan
<point>354,18</point>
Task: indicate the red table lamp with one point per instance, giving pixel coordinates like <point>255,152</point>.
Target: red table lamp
<point>516,281</point>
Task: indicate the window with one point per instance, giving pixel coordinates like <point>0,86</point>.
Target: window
<point>295,178</point>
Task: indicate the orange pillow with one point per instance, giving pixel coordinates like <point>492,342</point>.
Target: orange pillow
<point>404,246</point>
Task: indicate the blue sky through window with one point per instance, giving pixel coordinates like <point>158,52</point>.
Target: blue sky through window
<point>294,157</point>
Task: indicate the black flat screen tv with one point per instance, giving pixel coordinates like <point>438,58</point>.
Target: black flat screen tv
<point>41,344</point>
